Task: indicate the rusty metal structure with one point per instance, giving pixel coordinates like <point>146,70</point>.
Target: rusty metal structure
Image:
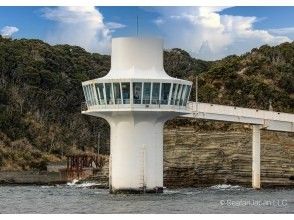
<point>80,166</point>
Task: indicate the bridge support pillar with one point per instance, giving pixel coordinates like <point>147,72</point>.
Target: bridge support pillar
<point>256,156</point>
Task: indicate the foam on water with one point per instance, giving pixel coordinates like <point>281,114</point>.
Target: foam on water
<point>226,187</point>
<point>75,183</point>
<point>169,191</point>
<point>86,184</point>
<point>72,183</point>
<point>46,187</point>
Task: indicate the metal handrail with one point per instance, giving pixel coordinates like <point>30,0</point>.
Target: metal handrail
<point>145,103</point>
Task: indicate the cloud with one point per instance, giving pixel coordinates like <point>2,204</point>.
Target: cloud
<point>158,21</point>
<point>8,31</point>
<point>115,25</point>
<point>287,30</point>
<point>82,26</point>
<point>207,34</point>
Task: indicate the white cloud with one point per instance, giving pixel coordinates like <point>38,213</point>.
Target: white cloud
<point>201,29</point>
<point>8,31</point>
<point>159,21</point>
<point>115,25</point>
<point>287,30</point>
<point>82,26</point>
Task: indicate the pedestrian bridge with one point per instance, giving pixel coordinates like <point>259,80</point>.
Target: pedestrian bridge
<point>269,120</point>
<point>259,119</point>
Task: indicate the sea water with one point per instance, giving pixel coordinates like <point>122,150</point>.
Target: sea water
<point>83,198</point>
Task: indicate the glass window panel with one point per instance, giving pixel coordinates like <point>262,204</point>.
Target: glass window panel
<point>126,93</point>
<point>137,92</point>
<point>97,92</point>
<point>116,91</point>
<point>88,95</point>
<point>93,99</point>
<point>101,93</point>
<point>146,93</point>
<point>183,94</point>
<point>178,94</point>
<point>155,93</point>
<point>85,94</point>
<point>187,95</point>
<point>173,96</point>
<point>108,92</point>
<point>94,94</point>
<point>165,87</point>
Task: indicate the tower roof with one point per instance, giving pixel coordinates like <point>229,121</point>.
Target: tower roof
<point>137,57</point>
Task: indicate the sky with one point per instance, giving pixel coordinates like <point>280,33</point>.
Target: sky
<point>207,33</point>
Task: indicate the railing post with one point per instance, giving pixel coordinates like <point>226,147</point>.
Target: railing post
<point>256,156</point>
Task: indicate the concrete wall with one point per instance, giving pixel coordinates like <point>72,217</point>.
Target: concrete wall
<point>31,177</point>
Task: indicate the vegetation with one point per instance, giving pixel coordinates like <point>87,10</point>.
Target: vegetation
<point>40,94</point>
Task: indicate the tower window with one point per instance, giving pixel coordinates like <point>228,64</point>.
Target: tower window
<point>126,93</point>
<point>178,95</point>
<point>173,96</point>
<point>108,91</point>
<point>155,93</point>
<point>117,95</point>
<point>165,93</point>
<point>86,95</point>
<point>137,92</point>
<point>146,93</point>
<point>100,92</point>
<point>187,95</point>
<point>184,89</point>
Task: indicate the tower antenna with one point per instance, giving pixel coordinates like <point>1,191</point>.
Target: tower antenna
<point>137,25</point>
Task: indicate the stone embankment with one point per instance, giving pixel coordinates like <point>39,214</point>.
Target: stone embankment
<point>32,177</point>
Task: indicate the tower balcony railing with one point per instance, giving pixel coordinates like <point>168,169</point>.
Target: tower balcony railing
<point>136,104</point>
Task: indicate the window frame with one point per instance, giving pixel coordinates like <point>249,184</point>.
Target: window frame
<point>165,92</point>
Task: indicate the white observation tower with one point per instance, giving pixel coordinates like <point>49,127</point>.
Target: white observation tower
<point>136,98</point>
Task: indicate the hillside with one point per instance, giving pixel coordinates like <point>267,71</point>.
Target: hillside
<point>40,94</point>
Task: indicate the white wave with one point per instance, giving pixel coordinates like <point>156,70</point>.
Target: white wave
<point>225,187</point>
<point>46,187</point>
<point>73,182</point>
<point>86,184</point>
<point>169,191</point>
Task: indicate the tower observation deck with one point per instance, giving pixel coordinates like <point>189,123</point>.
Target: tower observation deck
<point>136,98</point>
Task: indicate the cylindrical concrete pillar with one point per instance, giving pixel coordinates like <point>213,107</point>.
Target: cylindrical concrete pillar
<point>256,156</point>
<point>136,153</point>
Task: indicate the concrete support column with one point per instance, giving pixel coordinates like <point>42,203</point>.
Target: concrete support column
<point>256,156</point>
<point>136,153</point>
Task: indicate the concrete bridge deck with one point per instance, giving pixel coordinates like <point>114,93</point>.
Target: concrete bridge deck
<point>270,120</point>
